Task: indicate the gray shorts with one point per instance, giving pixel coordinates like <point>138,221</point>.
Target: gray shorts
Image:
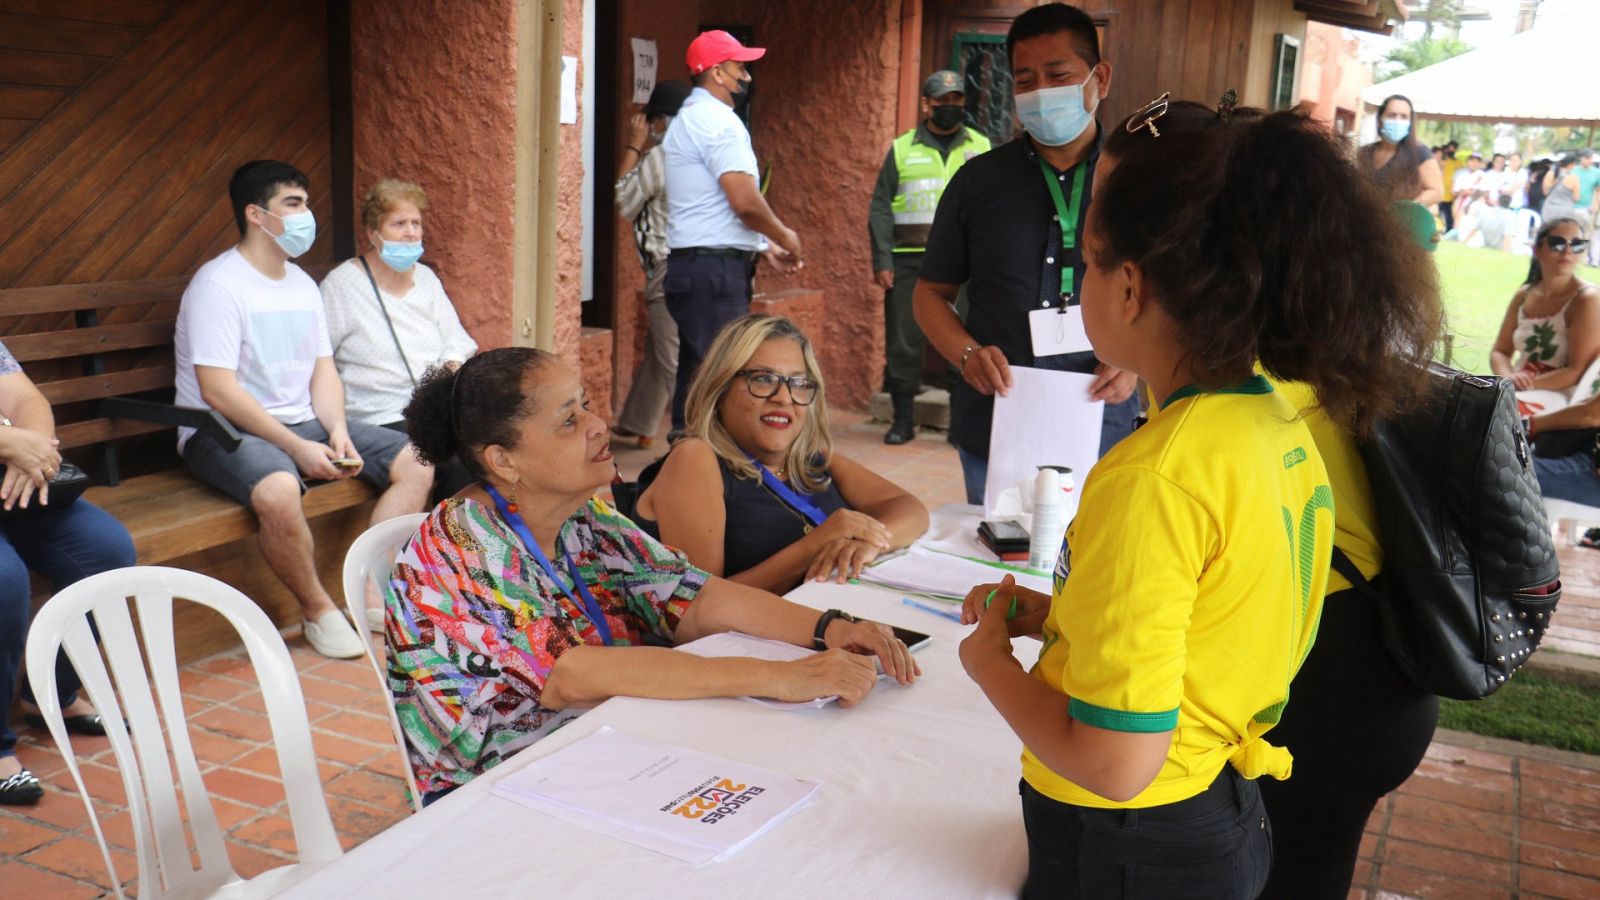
<point>237,474</point>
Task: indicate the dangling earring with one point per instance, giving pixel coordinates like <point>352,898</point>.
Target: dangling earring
<point>511,503</point>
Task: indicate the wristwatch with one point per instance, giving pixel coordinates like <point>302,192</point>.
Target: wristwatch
<point>823,622</point>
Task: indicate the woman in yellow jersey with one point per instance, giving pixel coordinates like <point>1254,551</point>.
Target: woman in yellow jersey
<point>1189,587</point>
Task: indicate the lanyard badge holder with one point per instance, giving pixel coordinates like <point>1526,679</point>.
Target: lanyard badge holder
<point>812,513</point>
<point>1056,330</point>
<point>591,607</point>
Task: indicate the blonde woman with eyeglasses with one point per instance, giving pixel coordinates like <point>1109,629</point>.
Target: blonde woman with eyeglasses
<point>757,437</point>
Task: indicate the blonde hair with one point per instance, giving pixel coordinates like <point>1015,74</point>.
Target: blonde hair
<point>812,449</point>
<point>386,195</point>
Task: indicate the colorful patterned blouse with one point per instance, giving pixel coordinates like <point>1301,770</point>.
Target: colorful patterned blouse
<point>474,626</point>
<point>8,363</point>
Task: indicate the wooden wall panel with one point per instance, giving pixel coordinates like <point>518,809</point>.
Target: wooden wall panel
<point>152,104</point>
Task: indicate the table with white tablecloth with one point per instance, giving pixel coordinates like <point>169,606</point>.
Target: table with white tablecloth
<point>918,799</point>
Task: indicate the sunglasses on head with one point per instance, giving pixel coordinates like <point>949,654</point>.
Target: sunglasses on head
<point>1560,244</point>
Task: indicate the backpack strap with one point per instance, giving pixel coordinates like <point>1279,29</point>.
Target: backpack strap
<point>1346,567</point>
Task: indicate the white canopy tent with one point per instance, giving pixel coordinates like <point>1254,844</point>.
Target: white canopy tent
<point>1543,76</point>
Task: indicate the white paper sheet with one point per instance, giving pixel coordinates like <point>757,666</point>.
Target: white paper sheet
<point>1046,418</point>
<point>644,69</point>
<point>737,643</point>
<point>569,90</point>
<point>674,800</point>
<point>928,572</point>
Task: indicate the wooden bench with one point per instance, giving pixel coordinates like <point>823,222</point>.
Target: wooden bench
<point>102,354</point>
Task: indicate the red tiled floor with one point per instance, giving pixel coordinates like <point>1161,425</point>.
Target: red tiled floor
<point>1476,820</point>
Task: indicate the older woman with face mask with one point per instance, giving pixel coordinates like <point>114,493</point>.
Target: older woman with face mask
<point>524,599</point>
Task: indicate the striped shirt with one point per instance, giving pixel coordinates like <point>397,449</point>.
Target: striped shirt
<point>642,199</point>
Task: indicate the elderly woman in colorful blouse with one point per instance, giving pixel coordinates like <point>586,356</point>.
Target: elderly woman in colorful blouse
<point>524,599</point>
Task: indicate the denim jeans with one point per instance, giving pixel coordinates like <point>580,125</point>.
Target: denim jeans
<point>1570,478</point>
<point>64,546</point>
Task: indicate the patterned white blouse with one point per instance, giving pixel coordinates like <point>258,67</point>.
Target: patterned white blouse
<point>376,386</point>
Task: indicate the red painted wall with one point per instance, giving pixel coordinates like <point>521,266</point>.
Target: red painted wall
<point>434,95</point>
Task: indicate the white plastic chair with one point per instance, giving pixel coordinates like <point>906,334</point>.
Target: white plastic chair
<point>165,867</point>
<point>373,554</point>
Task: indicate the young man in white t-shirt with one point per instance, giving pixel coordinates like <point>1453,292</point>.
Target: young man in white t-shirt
<point>252,344</point>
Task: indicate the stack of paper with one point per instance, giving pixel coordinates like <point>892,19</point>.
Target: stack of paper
<point>942,575</point>
<point>686,804</point>
<point>735,643</point>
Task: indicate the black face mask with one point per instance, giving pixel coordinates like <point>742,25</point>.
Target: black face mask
<point>947,117</point>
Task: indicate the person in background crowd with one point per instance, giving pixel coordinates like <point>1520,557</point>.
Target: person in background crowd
<point>910,182</point>
<point>758,438</point>
<point>389,318</point>
<point>1589,198</point>
<point>1551,330</point>
<point>1181,609</point>
<point>1469,183</point>
<point>1517,180</point>
<point>716,215</point>
<point>252,343</point>
<point>1399,163</point>
<point>1495,179</point>
<point>63,541</point>
<point>525,599</point>
<point>1448,167</point>
<point>1536,192</point>
<point>642,199</point>
<point>1562,185</point>
<point>1006,228</point>
<point>1493,220</point>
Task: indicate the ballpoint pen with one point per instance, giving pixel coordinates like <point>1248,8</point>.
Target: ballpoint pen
<point>925,606</point>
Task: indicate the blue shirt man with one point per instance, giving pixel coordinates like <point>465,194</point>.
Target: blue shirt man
<point>716,216</point>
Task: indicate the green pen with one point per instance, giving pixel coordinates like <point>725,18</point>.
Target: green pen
<point>1010,613</point>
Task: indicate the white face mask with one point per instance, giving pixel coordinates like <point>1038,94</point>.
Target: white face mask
<point>299,231</point>
<point>1055,116</point>
<point>659,136</point>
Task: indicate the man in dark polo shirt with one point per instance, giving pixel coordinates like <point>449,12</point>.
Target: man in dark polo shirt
<point>998,230</point>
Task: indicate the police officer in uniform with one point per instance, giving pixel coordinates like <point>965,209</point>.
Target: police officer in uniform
<point>919,164</point>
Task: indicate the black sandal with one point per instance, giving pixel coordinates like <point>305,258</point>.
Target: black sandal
<point>21,789</point>
<point>89,726</point>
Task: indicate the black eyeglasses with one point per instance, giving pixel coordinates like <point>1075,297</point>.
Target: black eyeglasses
<point>763,384</point>
<point>1560,244</point>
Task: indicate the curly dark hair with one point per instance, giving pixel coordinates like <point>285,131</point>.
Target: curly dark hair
<point>1264,245</point>
<point>457,412</point>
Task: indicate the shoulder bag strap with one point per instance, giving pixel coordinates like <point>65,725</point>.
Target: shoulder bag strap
<point>1344,566</point>
<point>388,321</point>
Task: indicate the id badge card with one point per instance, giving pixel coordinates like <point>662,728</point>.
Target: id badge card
<point>1058,329</point>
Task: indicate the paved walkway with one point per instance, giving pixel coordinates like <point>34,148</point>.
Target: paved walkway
<point>1481,818</point>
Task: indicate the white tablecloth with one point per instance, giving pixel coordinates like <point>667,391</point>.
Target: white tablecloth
<point>919,799</point>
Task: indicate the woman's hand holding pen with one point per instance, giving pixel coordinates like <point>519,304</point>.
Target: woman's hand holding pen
<point>1023,610</point>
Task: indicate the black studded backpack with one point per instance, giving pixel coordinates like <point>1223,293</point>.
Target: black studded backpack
<point>1470,578</point>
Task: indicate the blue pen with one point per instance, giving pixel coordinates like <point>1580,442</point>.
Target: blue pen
<point>952,615</point>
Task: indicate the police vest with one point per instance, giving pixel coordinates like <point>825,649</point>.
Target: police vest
<point>922,177</point>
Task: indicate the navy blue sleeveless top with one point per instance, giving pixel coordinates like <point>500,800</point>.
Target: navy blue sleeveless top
<point>758,524</point>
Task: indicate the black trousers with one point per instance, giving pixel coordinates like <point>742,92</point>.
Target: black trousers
<point>1357,728</point>
<point>1213,846</point>
<point>705,291</point>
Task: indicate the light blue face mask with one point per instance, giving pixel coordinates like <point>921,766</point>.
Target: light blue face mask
<point>299,232</point>
<point>1395,131</point>
<point>399,255</point>
<point>1055,116</point>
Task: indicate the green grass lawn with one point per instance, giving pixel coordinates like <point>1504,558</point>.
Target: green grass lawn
<point>1477,285</point>
<point>1532,709</point>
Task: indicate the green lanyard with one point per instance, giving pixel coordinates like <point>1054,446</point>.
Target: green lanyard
<point>1067,216</point>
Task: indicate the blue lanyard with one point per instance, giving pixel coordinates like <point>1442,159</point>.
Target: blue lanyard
<point>785,493</point>
<point>590,607</point>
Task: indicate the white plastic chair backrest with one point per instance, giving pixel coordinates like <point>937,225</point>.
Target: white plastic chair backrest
<point>1528,222</point>
<point>165,867</point>
<point>372,554</point>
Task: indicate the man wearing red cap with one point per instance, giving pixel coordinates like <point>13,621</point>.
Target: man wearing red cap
<point>716,216</point>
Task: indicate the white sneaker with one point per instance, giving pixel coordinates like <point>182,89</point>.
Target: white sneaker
<point>332,636</point>
<point>375,618</point>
